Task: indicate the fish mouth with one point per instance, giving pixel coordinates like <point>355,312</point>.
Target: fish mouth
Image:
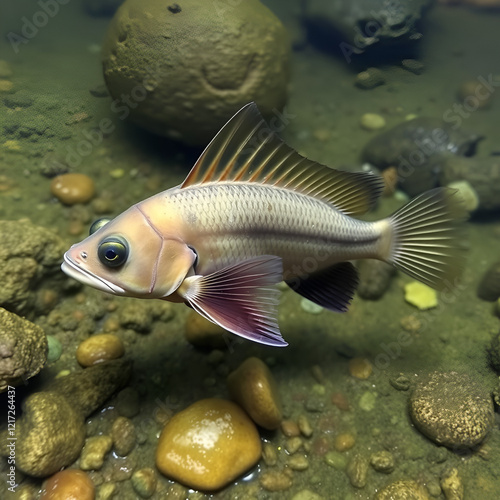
<point>75,271</point>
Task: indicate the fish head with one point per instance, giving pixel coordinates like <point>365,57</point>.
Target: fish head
<point>129,256</point>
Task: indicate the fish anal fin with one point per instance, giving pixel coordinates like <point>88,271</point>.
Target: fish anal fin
<point>247,149</point>
<point>332,288</point>
<point>241,298</point>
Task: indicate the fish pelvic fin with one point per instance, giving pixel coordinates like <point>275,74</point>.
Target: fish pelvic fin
<point>241,298</point>
<point>425,238</point>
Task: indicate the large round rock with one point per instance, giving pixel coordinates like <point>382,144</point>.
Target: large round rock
<point>181,69</point>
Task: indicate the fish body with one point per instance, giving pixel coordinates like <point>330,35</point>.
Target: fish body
<point>253,212</point>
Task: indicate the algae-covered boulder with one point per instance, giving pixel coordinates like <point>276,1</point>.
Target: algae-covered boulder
<point>28,255</point>
<point>182,69</point>
<point>23,349</point>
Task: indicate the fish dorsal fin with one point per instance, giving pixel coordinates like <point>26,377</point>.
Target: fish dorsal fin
<point>248,150</point>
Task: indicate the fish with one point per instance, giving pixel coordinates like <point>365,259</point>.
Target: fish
<point>253,212</point>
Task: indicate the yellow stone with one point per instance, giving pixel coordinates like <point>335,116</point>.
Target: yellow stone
<point>360,368</point>
<point>208,445</point>
<point>99,348</point>
<point>253,387</point>
<point>12,145</point>
<point>421,296</point>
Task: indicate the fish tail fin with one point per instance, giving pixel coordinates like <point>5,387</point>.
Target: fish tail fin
<point>427,240</point>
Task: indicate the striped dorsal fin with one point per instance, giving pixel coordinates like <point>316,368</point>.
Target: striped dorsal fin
<point>246,149</point>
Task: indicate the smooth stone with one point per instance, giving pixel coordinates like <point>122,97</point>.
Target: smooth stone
<point>99,348</point>
<point>421,296</point>
<point>208,445</point>
<point>69,484</point>
<point>372,121</point>
<point>72,188</point>
<point>254,388</point>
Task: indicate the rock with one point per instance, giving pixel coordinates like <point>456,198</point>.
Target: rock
<point>410,147</point>
<point>369,79</point>
<point>403,490</point>
<point>99,348</point>
<point>275,480</point>
<point>50,434</point>
<point>452,409</point>
<point>451,485</point>
<point>421,296</point>
<point>413,66</point>
<point>208,445</point>
<point>144,482</point>
<point>477,172</point>
<point>344,441</point>
<point>372,121</point>
<point>253,387</point>
<point>71,189</point>
<point>357,470</point>
<point>370,25</point>
<point>475,95</point>
<point>382,461</point>
<point>202,333</point>
<point>467,193</point>
<point>95,450</point>
<point>23,349</point>
<point>67,485</point>
<point>191,66</point>
<point>375,278</point>
<point>54,349</point>
<point>360,368</point>
<point>123,435</point>
<point>88,389</point>
<point>489,286</point>
<point>30,256</point>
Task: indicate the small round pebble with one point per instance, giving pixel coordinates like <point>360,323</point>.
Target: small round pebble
<point>372,121</point>
<point>402,490</point>
<point>144,482</point>
<point>382,461</point>
<point>369,79</point>
<point>360,368</point>
<point>71,189</point>
<point>275,481</point>
<point>252,385</point>
<point>123,435</point>
<point>208,445</point>
<point>54,349</point>
<point>94,452</point>
<point>290,428</point>
<point>344,441</point>
<point>452,409</point>
<point>99,348</point>
<point>69,484</point>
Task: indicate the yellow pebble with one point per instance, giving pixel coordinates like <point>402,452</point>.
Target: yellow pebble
<point>372,121</point>
<point>344,442</point>
<point>117,173</point>
<point>360,368</point>
<point>5,85</point>
<point>99,348</point>
<point>252,386</point>
<point>421,296</point>
<point>208,445</point>
<point>69,484</point>
<point>12,145</point>
<point>72,188</point>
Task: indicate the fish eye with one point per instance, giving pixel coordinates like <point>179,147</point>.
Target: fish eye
<point>113,251</point>
<point>97,224</point>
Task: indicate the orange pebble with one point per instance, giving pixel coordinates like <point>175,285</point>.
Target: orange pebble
<point>344,442</point>
<point>99,348</point>
<point>72,188</point>
<point>69,484</point>
<point>360,368</point>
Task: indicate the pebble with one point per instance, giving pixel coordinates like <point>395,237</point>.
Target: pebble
<point>293,445</point>
<point>310,307</point>
<point>95,450</point>
<point>208,445</point>
<point>106,491</point>
<point>470,198</point>
<point>123,435</point>
<point>413,65</point>
<point>344,442</point>
<point>402,490</point>
<point>204,334</point>
<point>372,121</point>
<point>452,409</point>
<point>254,388</point>
<point>6,85</point>
<point>72,188</point>
<point>298,462</point>
<point>367,401</point>
<point>144,482</point>
<point>304,426</point>
<point>369,79</point>
<point>360,368</point>
<point>357,471</point>
<point>67,485</point>
<point>99,348</point>
<point>275,481</point>
<point>451,485</point>
<point>269,454</point>
<point>421,296</point>
<point>290,428</point>
<point>336,460</point>
<point>382,461</point>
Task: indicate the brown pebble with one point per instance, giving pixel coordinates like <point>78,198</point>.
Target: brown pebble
<point>340,401</point>
<point>275,481</point>
<point>72,188</point>
<point>123,435</point>
<point>269,454</point>
<point>360,368</point>
<point>344,441</point>
<point>69,484</point>
<point>290,428</point>
<point>99,348</point>
<point>293,445</point>
<point>298,462</point>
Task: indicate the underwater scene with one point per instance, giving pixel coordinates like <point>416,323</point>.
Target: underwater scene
<point>249,249</point>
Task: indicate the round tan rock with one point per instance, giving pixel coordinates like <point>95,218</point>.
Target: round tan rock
<point>71,189</point>
<point>403,490</point>
<point>69,484</point>
<point>254,388</point>
<point>208,445</point>
<point>182,70</point>
<point>99,348</point>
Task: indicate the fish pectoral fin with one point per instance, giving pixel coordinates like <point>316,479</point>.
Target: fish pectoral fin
<point>241,298</point>
<point>332,289</point>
